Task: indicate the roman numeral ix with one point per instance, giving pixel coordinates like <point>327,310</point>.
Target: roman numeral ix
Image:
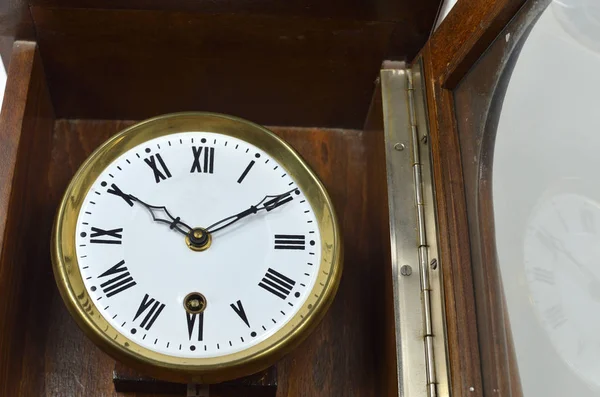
<point>113,236</point>
<point>289,242</point>
<point>153,307</point>
<point>239,309</point>
<point>208,159</point>
<point>119,281</point>
<point>159,175</point>
<point>191,324</point>
<point>277,284</point>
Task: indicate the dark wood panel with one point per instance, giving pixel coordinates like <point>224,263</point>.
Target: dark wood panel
<point>418,14</point>
<point>481,352</point>
<point>120,64</point>
<point>262,384</point>
<point>25,138</point>
<point>465,34</point>
<point>15,24</point>
<point>378,187</point>
<point>461,319</point>
<point>346,355</point>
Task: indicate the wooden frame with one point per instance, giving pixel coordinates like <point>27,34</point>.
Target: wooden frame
<point>481,351</point>
<point>89,69</point>
<point>42,351</point>
<point>32,139</point>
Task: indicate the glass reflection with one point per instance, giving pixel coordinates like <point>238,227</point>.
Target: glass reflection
<point>546,192</point>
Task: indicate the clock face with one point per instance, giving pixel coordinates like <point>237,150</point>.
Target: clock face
<point>201,253</point>
<point>252,278</point>
<point>561,251</point>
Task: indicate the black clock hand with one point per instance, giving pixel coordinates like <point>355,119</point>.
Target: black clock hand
<point>268,203</point>
<point>173,222</point>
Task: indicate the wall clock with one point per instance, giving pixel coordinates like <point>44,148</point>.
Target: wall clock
<point>197,247</point>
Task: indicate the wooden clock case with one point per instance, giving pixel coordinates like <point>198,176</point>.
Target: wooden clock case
<point>80,71</point>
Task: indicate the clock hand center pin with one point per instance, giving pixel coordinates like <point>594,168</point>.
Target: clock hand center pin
<point>198,239</point>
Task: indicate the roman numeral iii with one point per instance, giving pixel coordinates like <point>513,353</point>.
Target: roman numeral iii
<point>191,324</point>
<point>151,308</point>
<point>277,284</point>
<point>163,173</point>
<point>205,155</point>
<point>117,279</point>
<point>290,242</point>
<point>112,236</point>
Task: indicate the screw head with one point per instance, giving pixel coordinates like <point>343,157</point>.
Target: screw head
<point>434,264</point>
<point>194,303</point>
<point>399,146</point>
<point>406,270</point>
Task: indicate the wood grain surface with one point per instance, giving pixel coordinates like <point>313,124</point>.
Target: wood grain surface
<point>132,64</point>
<point>25,138</point>
<point>461,319</point>
<point>262,59</point>
<point>345,356</point>
<point>262,384</point>
<point>482,358</point>
<point>417,13</point>
<point>465,34</point>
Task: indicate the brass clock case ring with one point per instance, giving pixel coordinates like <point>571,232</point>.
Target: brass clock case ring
<point>184,369</point>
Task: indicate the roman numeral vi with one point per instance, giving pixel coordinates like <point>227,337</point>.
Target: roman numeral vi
<point>191,324</point>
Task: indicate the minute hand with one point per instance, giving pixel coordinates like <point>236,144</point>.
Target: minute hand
<point>268,203</point>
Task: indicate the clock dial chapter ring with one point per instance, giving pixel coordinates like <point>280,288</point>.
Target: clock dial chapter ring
<point>211,369</point>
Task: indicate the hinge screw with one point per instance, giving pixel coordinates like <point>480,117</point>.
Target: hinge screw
<point>406,270</point>
<point>399,146</point>
<point>433,264</point>
<point>424,139</point>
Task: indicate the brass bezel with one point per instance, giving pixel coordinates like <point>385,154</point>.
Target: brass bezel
<point>207,370</point>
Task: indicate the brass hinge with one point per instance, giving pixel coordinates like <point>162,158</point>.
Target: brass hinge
<point>421,344</point>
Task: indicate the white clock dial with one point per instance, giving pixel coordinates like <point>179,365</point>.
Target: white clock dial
<point>256,273</point>
<point>561,258</point>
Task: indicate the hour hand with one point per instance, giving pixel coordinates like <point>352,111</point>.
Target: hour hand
<point>162,215</point>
